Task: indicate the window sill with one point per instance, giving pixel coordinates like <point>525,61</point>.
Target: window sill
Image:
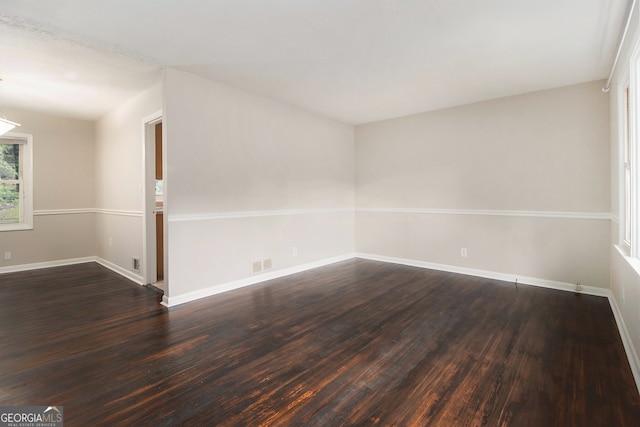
<point>15,227</point>
<point>632,261</point>
<point>623,249</point>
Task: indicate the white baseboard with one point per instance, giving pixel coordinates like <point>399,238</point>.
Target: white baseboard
<point>62,262</point>
<point>632,355</point>
<point>46,264</point>
<point>544,283</point>
<point>121,271</point>
<point>172,301</point>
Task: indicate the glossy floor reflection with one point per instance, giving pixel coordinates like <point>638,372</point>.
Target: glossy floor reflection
<point>358,342</point>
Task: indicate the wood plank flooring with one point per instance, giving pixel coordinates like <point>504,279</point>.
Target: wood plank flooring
<point>355,343</point>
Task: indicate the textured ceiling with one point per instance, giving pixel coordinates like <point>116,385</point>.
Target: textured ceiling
<point>353,60</point>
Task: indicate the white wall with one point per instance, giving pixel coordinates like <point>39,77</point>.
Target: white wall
<point>543,154</point>
<point>625,279</point>
<point>247,179</point>
<point>119,178</point>
<point>63,162</point>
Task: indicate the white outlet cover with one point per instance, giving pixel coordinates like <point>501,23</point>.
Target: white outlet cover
<point>256,266</point>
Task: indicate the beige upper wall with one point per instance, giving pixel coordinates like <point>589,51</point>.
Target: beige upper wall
<point>231,150</point>
<point>119,169</point>
<point>540,152</point>
<point>63,179</point>
<point>544,151</point>
<point>63,159</point>
<point>119,177</point>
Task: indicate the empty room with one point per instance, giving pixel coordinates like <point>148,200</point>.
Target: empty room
<point>322,212</point>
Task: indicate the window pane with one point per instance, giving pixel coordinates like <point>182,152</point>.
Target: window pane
<point>9,161</point>
<point>9,203</point>
<point>16,207</point>
<point>627,121</point>
<point>627,170</point>
<point>627,205</point>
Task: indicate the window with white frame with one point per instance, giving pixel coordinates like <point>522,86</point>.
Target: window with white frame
<point>629,160</point>
<point>16,198</point>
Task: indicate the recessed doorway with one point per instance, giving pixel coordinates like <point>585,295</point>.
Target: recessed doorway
<point>154,198</point>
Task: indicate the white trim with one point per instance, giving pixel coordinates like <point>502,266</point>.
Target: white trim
<point>622,127</point>
<point>121,271</point>
<point>252,214</point>
<point>633,262</point>
<point>627,342</point>
<point>621,40</point>
<point>46,212</point>
<point>536,214</point>
<point>172,301</point>
<point>46,264</point>
<point>63,212</point>
<point>506,277</point>
<point>634,133</point>
<point>58,263</point>
<point>118,212</point>
<point>15,227</point>
<point>152,119</point>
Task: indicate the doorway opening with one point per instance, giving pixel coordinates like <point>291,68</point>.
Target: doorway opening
<point>154,244</point>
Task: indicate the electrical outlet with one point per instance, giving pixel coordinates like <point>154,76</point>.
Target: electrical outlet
<point>463,252</point>
<point>135,264</point>
<point>256,266</point>
<point>110,241</point>
<point>7,256</point>
<point>266,264</point>
<point>295,251</point>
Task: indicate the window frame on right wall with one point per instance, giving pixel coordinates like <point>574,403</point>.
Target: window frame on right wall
<point>628,151</point>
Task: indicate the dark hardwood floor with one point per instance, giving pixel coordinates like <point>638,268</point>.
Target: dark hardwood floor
<point>355,343</point>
